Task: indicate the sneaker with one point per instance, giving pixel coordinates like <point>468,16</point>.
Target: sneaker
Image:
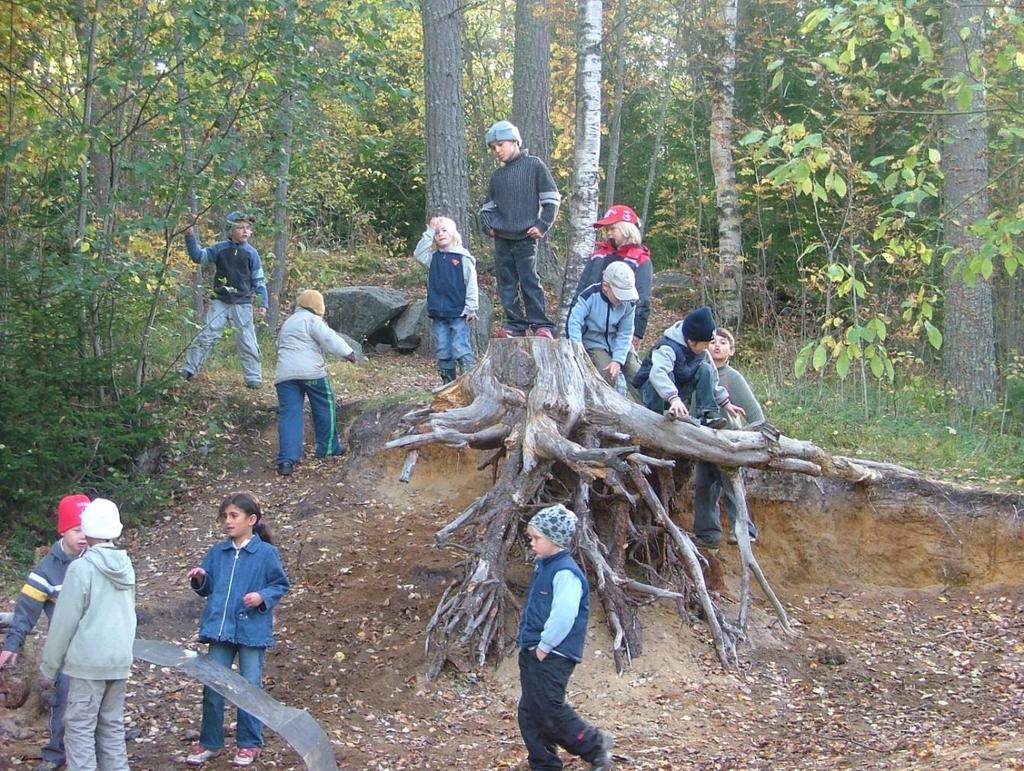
<point>603,760</point>
<point>186,374</point>
<point>246,756</point>
<point>714,420</point>
<point>711,545</point>
<point>285,468</point>
<point>544,332</point>
<point>732,540</point>
<point>254,385</point>
<point>47,765</point>
<point>503,333</point>
<point>199,755</point>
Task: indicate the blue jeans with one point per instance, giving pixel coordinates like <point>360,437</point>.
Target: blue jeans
<point>451,343</point>
<point>515,268</point>
<point>290,423</point>
<point>250,666</point>
<point>707,492</point>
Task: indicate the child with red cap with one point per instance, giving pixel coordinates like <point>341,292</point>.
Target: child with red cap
<point>621,242</point>
<point>39,595</point>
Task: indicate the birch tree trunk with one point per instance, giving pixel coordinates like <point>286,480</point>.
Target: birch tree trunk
<point>723,106</point>
<point>531,97</point>
<point>968,353</point>
<point>447,166</point>
<point>615,117</point>
<point>583,201</point>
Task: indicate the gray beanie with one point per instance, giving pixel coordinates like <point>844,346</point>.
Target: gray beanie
<point>556,523</point>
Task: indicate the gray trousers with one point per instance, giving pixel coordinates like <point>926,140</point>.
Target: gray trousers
<point>218,316</point>
<point>94,726</point>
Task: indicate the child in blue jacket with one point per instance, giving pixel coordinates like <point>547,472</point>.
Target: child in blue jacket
<point>243,579</point>
<point>602,319</point>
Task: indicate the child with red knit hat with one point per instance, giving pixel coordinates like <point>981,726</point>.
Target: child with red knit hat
<point>39,595</point>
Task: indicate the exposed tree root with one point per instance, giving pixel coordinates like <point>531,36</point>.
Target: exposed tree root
<point>560,433</point>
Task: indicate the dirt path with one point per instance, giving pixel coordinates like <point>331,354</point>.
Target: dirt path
<point>877,676</point>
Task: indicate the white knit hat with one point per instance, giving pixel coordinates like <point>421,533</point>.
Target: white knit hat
<point>101,520</point>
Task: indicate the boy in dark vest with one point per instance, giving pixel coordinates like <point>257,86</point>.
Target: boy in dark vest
<point>452,294</point>
<point>521,205</point>
<point>239,275</point>
<point>551,637</point>
<point>678,368</point>
<point>39,595</point>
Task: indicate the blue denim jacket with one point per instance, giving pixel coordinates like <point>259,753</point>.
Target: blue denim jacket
<point>231,574</point>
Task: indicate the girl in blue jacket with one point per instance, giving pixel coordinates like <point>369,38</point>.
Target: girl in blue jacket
<point>243,579</point>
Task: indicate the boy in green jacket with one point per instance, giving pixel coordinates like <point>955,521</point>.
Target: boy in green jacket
<point>707,479</point>
<point>90,639</point>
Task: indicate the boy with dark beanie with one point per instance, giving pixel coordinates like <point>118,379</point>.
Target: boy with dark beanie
<point>39,595</point>
<point>522,202</point>
<point>551,637</point>
<point>678,368</point>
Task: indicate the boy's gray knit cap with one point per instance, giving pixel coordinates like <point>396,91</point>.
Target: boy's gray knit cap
<point>503,130</point>
<point>556,523</point>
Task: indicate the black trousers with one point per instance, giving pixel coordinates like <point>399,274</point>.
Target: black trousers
<point>546,721</point>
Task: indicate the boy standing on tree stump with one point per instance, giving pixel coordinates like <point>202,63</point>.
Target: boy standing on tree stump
<point>521,205</point>
<point>239,275</point>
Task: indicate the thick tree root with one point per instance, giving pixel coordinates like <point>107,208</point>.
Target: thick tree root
<point>560,433</point>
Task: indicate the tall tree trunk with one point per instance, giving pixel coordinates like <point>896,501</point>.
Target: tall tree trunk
<point>188,162</point>
<point>286,126</point>
<point>618,91</point>
<point>659,131</point>
<point>531,97</point>
<point>723,106</point>
<point>584,199</point>
<point>447,166</point>
<point>86,29</point>
<point>968,351</point>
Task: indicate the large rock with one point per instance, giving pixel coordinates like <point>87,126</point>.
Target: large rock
<point>481,329</point>
<point>408,327</point>
<point>360,311</point>
<point>354,345</point>
<point>671,279</point>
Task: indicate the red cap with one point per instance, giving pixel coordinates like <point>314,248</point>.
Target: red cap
<point>618,213</point>
<point>69,512</point>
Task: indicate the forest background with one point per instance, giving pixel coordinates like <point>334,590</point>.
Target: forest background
<point>842,181</point>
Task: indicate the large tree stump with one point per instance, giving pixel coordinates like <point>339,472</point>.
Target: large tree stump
<point>561,434</point>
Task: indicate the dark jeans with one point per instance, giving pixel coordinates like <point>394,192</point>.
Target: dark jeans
<point>290,423</point>
<point>53,751</point>
<point>546,721</point>
<point>515,268</point>
<point>708,489</point>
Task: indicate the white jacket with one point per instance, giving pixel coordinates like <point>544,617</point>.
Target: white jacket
<point>301,344</point>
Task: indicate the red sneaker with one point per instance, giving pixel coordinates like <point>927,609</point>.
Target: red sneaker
<point>246,756</point>
<point>199,755</point>
<point>544,332</point>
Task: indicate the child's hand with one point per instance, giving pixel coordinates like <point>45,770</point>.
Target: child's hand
<point>612,371</point>
<point>252,600</point>
<point>8,657</point>
<point>677,409</point>
<point>471,317</point>
<point>534,233</point>
<point>541,655</point>
<point>735,409</point>
<point>432,224</point>
<point>196,573</point>
<point>261,312</point>
<point>636,343</point>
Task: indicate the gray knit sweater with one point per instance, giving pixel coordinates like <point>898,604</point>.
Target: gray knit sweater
<point>521,195</point>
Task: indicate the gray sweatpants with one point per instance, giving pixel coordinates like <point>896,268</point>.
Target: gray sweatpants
<point>94,726</point>
<point>218,316</point>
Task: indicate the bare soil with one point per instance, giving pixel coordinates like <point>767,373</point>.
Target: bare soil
<point>908,651</point>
